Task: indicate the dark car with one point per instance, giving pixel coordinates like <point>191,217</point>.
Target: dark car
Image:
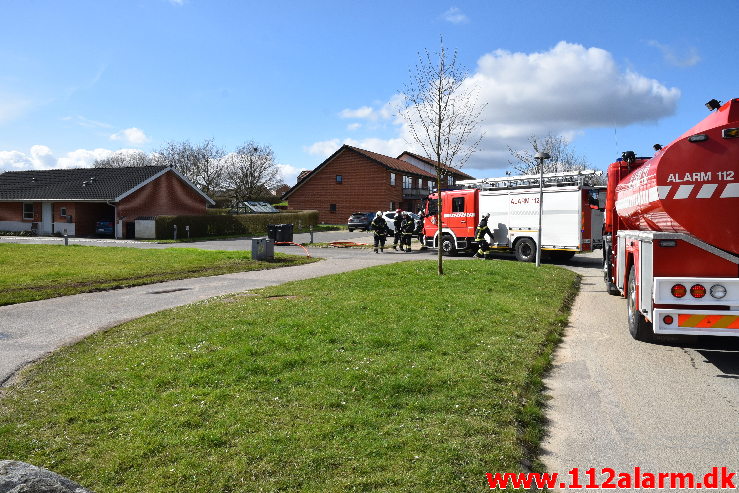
<point>360,220</point>
<point>104,227</point>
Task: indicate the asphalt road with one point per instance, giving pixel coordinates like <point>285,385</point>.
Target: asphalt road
<point>617,403</point>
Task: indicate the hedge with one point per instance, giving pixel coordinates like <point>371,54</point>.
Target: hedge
<point>229,225</point>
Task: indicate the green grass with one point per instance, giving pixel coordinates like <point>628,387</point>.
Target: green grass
<point>390,378</point>
<point>36,272</point>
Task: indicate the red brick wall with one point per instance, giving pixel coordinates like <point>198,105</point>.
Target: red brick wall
<point>11,211</point>
<point>167,195</point>
<point>366,187</point>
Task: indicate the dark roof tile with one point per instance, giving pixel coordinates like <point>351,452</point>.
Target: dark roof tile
<point>74,184</point>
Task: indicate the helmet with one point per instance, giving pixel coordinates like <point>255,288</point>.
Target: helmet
<point>378,214</point>
<point>398,211</point>
<point>486,215</point>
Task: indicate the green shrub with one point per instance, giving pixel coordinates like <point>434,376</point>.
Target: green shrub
<point>230,225</point>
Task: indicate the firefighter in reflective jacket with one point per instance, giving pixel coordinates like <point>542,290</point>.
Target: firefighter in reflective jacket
<point>407,227</point>
<point>480,233</point>
<point>380,230</point>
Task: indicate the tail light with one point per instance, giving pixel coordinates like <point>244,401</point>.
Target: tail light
<point>678,291</point>
<point>697,291</point>
<point>718,291</point>
<point>667,319</point>
<point>730,133</point>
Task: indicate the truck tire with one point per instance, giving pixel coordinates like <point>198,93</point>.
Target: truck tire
<point>610,287</point>
<point>447,246</point>
<point>639,328</point>
<point>525,250</point>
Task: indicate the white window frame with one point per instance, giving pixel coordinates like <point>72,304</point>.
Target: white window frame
<point>62,212</point>
<point>392,179</point>
<point>407,181</point>
<point>25,217</point>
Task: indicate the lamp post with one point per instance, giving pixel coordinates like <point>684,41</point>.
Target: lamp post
<point>540,156</point>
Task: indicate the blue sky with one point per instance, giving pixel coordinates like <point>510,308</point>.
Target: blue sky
<point>83,79</point>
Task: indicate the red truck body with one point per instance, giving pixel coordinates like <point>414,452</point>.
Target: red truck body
<point>671,232</point>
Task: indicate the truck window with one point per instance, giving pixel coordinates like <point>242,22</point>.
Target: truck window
<point>458,204</point>
<point>433,207</point>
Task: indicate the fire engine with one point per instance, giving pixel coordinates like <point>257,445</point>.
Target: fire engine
<point>671,232</point>
<point>571,220</point>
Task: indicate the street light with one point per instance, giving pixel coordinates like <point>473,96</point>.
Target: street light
<point>540,156</point>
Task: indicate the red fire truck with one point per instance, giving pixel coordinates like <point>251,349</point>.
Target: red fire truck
<point>671,232</point>
<point>571,220</point>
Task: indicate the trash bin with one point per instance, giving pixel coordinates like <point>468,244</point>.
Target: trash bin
<point>272,231</point>
<point>262,249</point>
<point>280,233</point>
<point>287,233</point>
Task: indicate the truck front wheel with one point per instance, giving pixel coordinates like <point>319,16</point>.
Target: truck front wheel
<point>639,328</point>
<point>447,246</point>
<point>525,250</point>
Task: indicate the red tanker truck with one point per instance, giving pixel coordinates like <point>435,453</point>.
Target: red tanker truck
<point>671,232</point>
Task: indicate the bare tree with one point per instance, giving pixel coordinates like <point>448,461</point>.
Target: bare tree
<point>202,164</point>
<point>442,115</point>
<point>125,159</point>
<point>251,171</point>
<point>563,156</point>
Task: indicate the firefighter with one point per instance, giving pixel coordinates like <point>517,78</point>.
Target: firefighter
<point>380,231</point>
<point>418,233</point>
<point>397,221</point>
<point>480,233</point>
<point>407,227</point>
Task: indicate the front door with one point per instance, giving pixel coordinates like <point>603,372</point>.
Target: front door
<point>47,218</point>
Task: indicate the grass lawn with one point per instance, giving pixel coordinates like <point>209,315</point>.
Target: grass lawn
<point>390,378</point>
<point>36,272</point>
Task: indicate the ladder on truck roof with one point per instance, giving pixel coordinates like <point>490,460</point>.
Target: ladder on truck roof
<point>527,181</point>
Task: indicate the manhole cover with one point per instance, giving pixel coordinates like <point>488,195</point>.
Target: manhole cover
<point>164,291</point>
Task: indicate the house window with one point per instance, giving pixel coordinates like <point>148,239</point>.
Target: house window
<point>392,206</point>
<point>458,204</point>
<point>431,184</point>
<point>339,179</point>
<point>332,207</point>
<point>392,179</point>
<point>28,212</point>
<point>450,180</point>
<point>407,182</point>
<point>63,212</point>
<point>420,183</point>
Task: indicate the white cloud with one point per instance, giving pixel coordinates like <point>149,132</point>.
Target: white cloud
<point>86,122</point>
<point>382,111</point>
<point>132,136</point>
<point>455,16</point>
<point>363,112</point>
<point>290,173</point>
<point>388,147</point>
<point>562,91</point>
<point>354,126</point>
<point>42,157</point>
<point>683,60</point>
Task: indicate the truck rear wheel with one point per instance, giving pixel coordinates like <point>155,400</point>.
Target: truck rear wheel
<point>525,250</point>
<point>447,246</point>
<point>639,328</point>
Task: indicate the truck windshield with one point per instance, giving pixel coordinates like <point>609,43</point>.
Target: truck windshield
<point>433,207</point>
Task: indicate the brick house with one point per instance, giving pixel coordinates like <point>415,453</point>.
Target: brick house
<point>354,179</point>
<point>73,200</point>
